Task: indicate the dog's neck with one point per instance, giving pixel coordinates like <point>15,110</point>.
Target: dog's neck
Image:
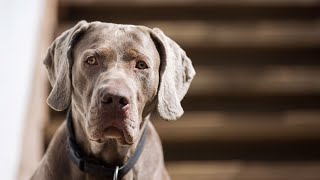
<point>111,152</point>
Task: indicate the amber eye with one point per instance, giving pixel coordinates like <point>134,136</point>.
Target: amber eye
<point>91,60</point>
<point>141,65</point>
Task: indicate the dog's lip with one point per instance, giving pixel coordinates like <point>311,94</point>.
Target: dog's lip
<point>118,133</point>
<point>128,138</point>
<point>121,127</point>
<point>113,131</point>
<point>96,140</point>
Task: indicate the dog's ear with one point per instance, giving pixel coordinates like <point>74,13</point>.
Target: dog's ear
<point>176,74</point>
<point>58,62</point>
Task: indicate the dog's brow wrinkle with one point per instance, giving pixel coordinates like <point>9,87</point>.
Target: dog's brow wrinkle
<point>135,37</point>
<point>133,53</point>
<point>120,30</point>
<point>104,51</point>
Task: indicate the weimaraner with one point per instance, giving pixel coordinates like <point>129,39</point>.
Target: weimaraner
<point>111,77</point>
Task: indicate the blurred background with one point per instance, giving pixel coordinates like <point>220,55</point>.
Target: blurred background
<point>253,110</point>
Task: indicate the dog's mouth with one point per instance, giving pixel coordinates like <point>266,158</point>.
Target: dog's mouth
<point>112,132</point>
<point>121,126</point>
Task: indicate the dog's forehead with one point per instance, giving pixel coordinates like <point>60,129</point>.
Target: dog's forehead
<point>116,35</point>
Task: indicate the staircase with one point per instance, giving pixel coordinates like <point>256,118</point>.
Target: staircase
<point>253,110</point>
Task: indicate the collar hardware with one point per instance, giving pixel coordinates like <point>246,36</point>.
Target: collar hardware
<point>115,174</point>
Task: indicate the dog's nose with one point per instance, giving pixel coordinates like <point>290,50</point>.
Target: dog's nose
<point>115,97</point>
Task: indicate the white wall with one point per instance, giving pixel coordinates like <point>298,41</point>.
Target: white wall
<point>19,30</point>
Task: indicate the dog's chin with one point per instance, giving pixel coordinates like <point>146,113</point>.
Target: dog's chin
<point>113,133</point>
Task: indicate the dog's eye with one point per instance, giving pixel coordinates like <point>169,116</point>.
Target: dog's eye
<point>92,61</point>
<point>141,65</point>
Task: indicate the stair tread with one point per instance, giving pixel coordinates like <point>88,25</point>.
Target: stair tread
<point>201,34</point>
<point>208,126</point>
<point>206,170</point>
<point>128,11</point>
<point>256,80</point>
<point>184,2</point>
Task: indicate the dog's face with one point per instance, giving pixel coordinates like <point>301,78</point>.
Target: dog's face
<point>116,69</point>
<point>115,75</point>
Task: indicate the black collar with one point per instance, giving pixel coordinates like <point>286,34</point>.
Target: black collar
<point>94,166</point>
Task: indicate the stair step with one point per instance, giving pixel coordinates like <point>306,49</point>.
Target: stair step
<point>128,11</point>
<point>274,3</point>
<point>227,170</point>
<point>223,35</point>
<point>247,103</point>
<point>256,80</point>
<point>210,126</point>
<point>241,34</point>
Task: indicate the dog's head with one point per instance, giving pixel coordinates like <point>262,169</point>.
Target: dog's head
<point>115,75</point>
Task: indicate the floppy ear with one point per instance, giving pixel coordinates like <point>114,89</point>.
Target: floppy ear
<point>58,62</point>
<point>176,74</point>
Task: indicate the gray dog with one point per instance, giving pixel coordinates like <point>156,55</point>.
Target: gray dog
<point>111,77</point>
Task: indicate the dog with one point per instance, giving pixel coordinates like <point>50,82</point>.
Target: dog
<point>111,77</point>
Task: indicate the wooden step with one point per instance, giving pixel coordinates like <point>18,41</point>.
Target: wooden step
<point>274,3</point>
<point>243,136</point>
<point>285,56</point>
<point>241,170</point>
<point>210,126</point>
<point>255,88</point>
<point>256,80</point>
<point>219,35</point>
<point>199,170</point>
<point>239,103</point>
<point>129,11</point>
<point>245,34</point>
